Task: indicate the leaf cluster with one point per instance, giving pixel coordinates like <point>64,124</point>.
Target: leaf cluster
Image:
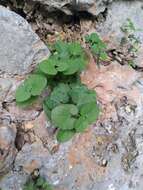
<point>67,58</point>
<point>70,106</point>
<point>98,47</point>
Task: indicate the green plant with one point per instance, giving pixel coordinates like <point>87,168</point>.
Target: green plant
<point>130,36</point>
<point>97,46</point>
<point>37,184</point>
<point>30,89</point>
<point>130,42</point>
<point>70,106</point>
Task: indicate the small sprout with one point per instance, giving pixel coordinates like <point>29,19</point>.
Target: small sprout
<point>130,37</point>
<point>98,47</point>
<point>37,184</point>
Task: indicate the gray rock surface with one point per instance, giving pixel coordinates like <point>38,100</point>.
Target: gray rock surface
<point>5,85</point>
<point>118,13</point>
<point>51,5</point>
<point>7,148</point>
<point>13,181</point>
<point>92,6</point>
<point>20,47</point>
<point>109,155</point>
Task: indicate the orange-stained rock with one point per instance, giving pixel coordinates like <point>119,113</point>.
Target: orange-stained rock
<point>110,82</point>
<point>31,166</point>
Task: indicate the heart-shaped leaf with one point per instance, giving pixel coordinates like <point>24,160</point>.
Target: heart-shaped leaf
<point>80,94</point>
<point>73,66</point>
<point>75,49</point>
<point>63,116</point>
<point>62,65</point>
<point>33,86</point>
<point>90,111</point>
<point>36,84</point>
<point>60,93</point>
<point>81,124</point>
<point>48,66</point>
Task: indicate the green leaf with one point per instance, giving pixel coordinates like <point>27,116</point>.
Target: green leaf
<point>80,94</point>
<point>48,66</point>
<point>93,38</point>
<point>47,110</point>
<point>65,135</point>
<point>33,86</point>
<point>103,56</point>
<point>73,66</point>
<point>62,65</point>
<point>28,102</point>
<point>82,63</point>
<point>61,47</point>
<point>22,94</point>
<point>98,47</point>
<point>86,98</point>
<point>37,184</point>
<point>95,49</point>
<point>36,84</point>
<point>76,91</point>
<point>81,124</point>
<point>59,95</point>
<point>50,103</point>
<point>75,49</point>
<point>63,116</point>
<point>90,111</point>
<point>40,181</point>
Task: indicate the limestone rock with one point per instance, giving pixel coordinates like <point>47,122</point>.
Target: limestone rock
<point>51,5</point>
<point>31,157</point>
<point>13,181</point>
<point>7,148</point>
<point>94,7</point>
<point>5,85</point>
<point>118,13</point>
<point>20,47</point>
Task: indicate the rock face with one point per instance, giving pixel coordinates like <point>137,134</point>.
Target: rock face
<point>20,47</point>
<point>7,148</point>
<point>92,6</point>
<point>63,5</point>
<point>109,155</point>
<point>118,13</point>
<point>20,50</point>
